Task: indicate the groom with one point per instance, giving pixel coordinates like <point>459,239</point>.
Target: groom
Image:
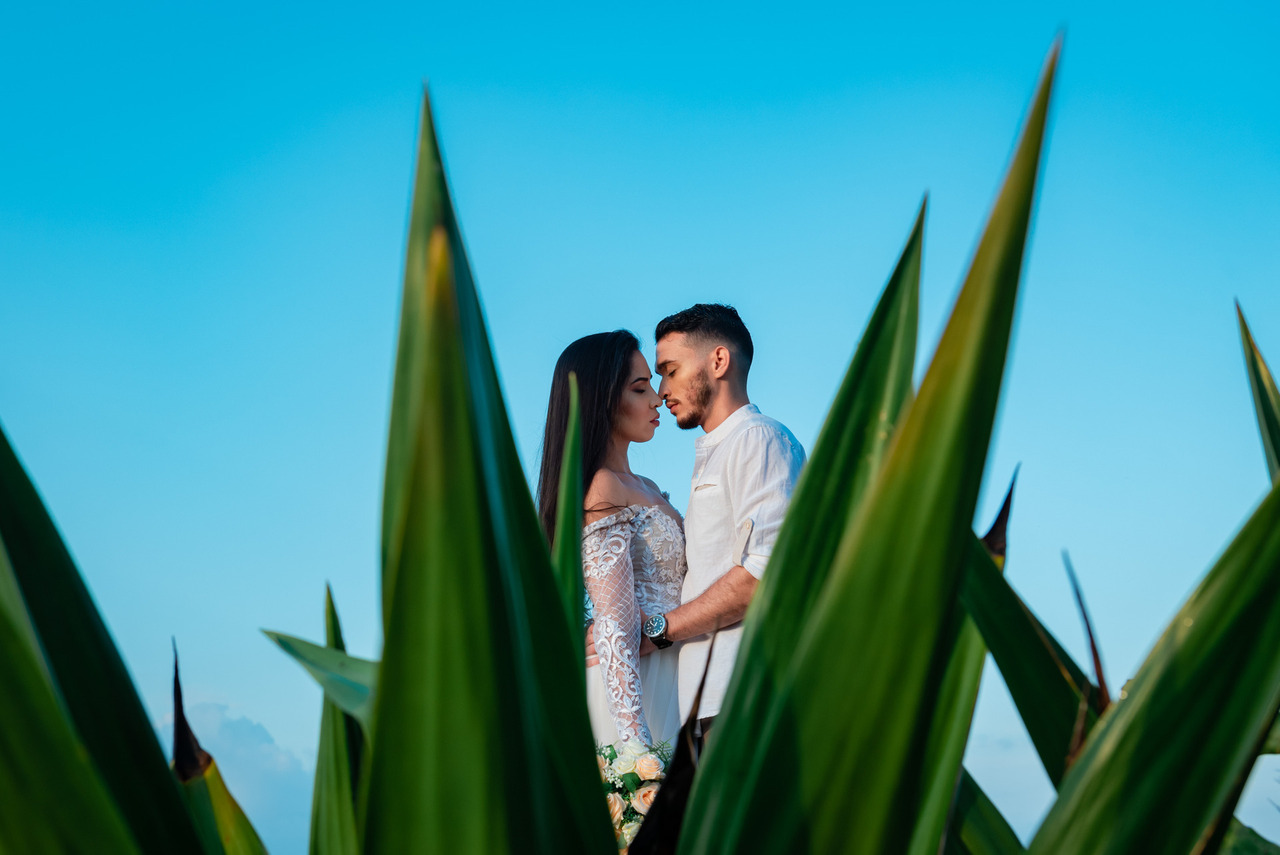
<point>745,469</point>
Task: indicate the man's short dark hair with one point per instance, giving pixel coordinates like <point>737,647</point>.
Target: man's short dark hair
<point>711,322</point>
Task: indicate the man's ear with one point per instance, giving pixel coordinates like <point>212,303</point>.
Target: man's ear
<point>720,359</point>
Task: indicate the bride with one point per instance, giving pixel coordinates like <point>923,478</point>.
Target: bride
<point>632,538</point>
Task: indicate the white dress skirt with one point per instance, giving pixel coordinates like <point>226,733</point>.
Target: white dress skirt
<point>660,699</point>
<point>634,567</point>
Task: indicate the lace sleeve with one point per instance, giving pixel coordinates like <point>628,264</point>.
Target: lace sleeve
<point>610,583</point>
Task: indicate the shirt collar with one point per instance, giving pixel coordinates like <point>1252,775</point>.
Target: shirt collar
<point>726,427</point>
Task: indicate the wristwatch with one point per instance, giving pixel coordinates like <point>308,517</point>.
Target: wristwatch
<point>655,628</point>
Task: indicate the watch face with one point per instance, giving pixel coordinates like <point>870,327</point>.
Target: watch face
<point>655,625</point>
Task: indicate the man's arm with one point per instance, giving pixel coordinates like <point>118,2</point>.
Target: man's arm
<point>720,606</point>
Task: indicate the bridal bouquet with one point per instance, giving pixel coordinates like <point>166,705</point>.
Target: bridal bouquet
<point>631,772</point>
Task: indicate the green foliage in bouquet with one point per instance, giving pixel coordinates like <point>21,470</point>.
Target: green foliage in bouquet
<point>849,711</point>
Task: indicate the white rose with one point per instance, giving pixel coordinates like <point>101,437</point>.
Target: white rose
<point>629,831</point>
<point>624,764</point>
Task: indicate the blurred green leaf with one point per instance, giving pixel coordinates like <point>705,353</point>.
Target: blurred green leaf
<point>1162,761</point>
<point>977,827</point>
<point>221,823</point>
<point>52,799</point>
<point>1272,743</point>
<point>1044,681</point>
<point>1266,398</point>
<point>567,549</point>
<point>845,458</point>
<point>1243,840</point>
<point>953,711</point>
<point>91,679</point>
<point>348,681</point>
<point>480,673</point>
<point>881,623</point>
<point>338,762</point>
<point>209,801</point>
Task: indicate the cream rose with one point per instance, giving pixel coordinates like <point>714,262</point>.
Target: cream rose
<point>648,767</point>
<point>616,806</point>
<point>642,799</point>
<point>624,764</point>
<point>629,832</point>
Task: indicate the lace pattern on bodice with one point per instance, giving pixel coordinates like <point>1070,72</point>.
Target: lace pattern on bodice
<point>633,565</point>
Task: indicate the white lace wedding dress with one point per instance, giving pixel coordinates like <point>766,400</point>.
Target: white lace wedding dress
<point>633,566</point>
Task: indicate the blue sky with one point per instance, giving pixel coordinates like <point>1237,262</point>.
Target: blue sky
<point>202,220</point>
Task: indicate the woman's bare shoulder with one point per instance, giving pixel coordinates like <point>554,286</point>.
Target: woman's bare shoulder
<point>606,494</point>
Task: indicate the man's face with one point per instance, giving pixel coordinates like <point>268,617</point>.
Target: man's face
<point>686,382</point>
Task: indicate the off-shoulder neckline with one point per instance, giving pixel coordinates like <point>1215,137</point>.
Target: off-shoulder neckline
<point>629,512</point>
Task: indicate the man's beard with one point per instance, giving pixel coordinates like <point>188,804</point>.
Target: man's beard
<point>694,408</point>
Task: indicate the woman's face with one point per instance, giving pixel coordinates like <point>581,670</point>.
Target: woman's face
<point>637,416</point>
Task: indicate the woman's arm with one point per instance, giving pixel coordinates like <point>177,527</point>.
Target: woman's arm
<point>607,571</point>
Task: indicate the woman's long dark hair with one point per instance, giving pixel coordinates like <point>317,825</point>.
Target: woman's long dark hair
<point>602,363</point>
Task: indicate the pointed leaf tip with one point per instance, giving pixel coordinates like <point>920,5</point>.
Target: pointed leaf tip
<point>996,538</point>
<point>189,759</point>
<point>1104,696</point>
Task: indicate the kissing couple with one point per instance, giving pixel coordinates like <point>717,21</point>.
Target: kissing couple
<point>657,586</point>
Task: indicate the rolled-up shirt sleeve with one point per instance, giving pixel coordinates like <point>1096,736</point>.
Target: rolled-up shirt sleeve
<point>766,464</point>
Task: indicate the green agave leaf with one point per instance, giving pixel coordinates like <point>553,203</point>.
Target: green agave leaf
<point>480,671</point>
<point>977,827</point>
<point>849,451</point>
<point>953,711</point>
<point>1266,401</point>
<point>90,676</point>
<point>211,802</point>
<point>349,682</point>
<point>222,825</point>
<point>1044,681</point>
<point>1163,760</point>
<point>1272,743</point>
<point>53,798</point>
<point>338,762</point>
<point>1243,840</point>
<point>14,610</point>
<point>881,625</point>
<point>567,549</point>
<point>1266,398</point>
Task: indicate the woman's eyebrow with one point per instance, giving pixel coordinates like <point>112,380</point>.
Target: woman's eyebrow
<point>645,379</point>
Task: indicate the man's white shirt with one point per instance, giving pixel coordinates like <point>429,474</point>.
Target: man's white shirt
<point>744,472</point>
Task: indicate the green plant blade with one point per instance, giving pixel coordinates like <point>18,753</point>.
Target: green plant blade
<point>479,670</point>
<point>567,549</point>
<point>1243,840</point>
<point>1266,398</point>
<point>348,681</point>
<point>953,711</point>
<point>1044,681</point>
<point>1162,761</point>
<point>977,826</point>
<point>52,796</point>
<point>1272,744</point>
<point>91,679</point>
<point>848,453</point>
<point>222,825</point>
<point>338,762</point>
<point>211,802</point>
<point>881,623</point>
